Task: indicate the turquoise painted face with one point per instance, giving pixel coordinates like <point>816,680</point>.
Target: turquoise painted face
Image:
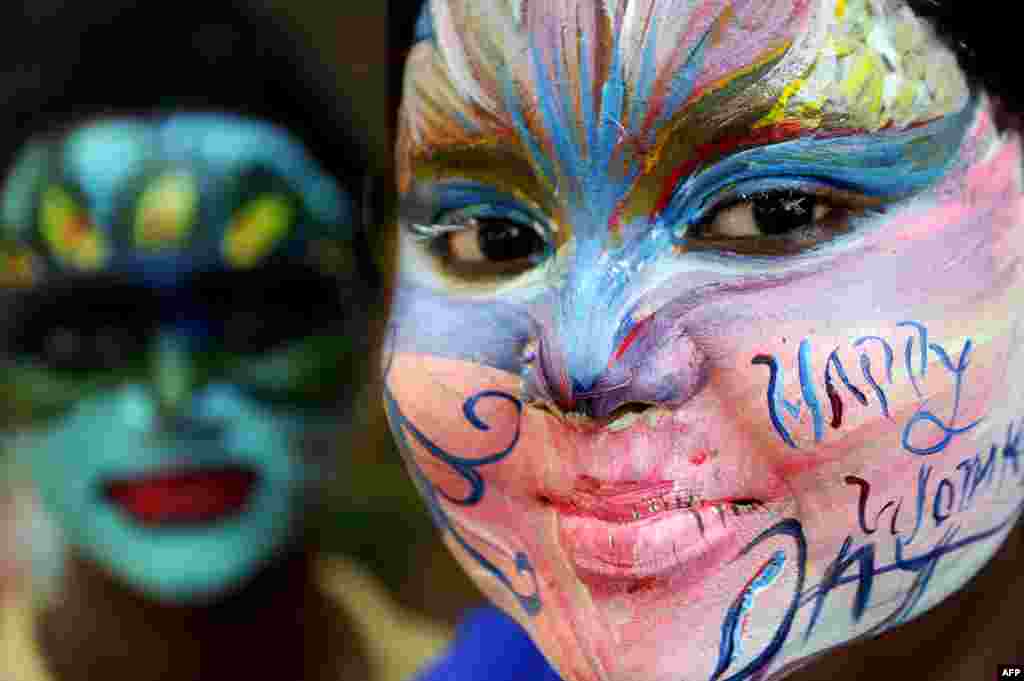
<point>184,326</point>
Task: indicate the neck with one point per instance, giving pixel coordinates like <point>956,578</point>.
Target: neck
<point>277,626</point>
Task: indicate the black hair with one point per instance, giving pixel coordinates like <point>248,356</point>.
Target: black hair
<point>979,37</point>
<point>63,61</point>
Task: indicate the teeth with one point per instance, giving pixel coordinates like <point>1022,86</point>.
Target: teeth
<point>671,502</point>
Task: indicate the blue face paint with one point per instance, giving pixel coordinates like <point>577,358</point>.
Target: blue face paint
<point>424,29</point>
<point>112,437</point>
<point>106,167</point>
<point>179,464</point>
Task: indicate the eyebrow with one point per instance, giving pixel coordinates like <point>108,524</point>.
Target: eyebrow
<point>695,137</point>
<point>503,168</point>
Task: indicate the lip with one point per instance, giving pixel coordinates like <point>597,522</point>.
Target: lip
<point>183,496</point>
<point>672,547</point>
<point>655,508</point>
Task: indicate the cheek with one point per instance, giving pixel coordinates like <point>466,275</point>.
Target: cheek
<point>62,462</point>
<point>842,359</point>
<point>884,394</point>
<point>464,435</point>
<point>458,421</point>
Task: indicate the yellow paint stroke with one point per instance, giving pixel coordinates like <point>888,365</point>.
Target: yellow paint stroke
<point>865,83</point>
<point>17,269</point>
<point>778,110</point>
<point>903,104</point>
<point>667,132</point>
<point>257,229</point>
<point>68,231</point>
<point>842,46</point>
<point>809,114</point>
<point>166,212</point>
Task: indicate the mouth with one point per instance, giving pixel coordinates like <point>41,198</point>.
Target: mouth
<point>634,537</point>
<point>183,497</point>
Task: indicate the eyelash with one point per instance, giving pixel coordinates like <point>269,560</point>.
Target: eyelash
<point>433,231</point>
<point>723,200</point>
<point>437,234</point>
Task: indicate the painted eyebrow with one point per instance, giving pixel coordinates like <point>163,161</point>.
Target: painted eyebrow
<point>502,168</point>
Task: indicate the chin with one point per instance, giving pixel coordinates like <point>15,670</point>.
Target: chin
<point>192,564</point>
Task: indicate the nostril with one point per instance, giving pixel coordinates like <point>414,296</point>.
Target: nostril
<point>620,417</point>
<point>627,413</point>
<point>180,425</point>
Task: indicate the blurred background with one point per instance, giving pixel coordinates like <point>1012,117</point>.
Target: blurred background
<point>377,499</point>
<point>364,45</point>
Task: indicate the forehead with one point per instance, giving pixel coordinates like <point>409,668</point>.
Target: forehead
<point>103,155</point>
<point>635,84</point>
<point>129,173</point>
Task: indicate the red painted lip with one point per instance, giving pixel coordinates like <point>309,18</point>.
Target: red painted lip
<point>182,497</point>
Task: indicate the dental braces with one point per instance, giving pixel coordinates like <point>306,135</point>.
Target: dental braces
<point>692,503</point>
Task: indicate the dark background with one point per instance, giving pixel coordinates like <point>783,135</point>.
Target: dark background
<point>366,43</point>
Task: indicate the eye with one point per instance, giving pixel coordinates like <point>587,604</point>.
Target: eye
<point>778,222</point>
<point>487,247</point>
<point>266,308</point>
<point>90,328</point>
<point>493,240</point>
<point>84,350</point>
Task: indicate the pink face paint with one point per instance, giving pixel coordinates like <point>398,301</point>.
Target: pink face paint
<point>670,456</point>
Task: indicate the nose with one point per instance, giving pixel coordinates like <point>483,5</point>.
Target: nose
<point>175,382</point>
<point>654,362</point>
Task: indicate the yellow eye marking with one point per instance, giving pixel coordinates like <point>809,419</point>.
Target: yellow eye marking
<point>68,231</point>
<point>257,228</point>
<point>18,268</point>
<point>166,212</point>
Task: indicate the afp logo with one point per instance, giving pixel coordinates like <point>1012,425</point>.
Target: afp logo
<point>1011,671</point>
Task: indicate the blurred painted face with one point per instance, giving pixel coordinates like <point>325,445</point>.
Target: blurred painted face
<point>182,291</point>
<point>707,320</point>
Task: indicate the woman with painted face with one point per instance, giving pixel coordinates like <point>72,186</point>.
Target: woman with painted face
<point>717,306</point>
<point>188,304</point>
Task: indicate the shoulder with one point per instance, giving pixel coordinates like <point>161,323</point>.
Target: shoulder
<point>19,654</point>
<point>490,646</point>
<point>400,642</point>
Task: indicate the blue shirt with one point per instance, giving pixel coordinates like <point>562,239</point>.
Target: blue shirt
<point>490,646</point>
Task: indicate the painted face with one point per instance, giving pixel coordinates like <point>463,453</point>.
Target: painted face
<point>182,327</point>
<point>705,324</point>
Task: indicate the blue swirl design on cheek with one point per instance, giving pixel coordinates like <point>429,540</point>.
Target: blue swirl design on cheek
<point>466,468</point>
